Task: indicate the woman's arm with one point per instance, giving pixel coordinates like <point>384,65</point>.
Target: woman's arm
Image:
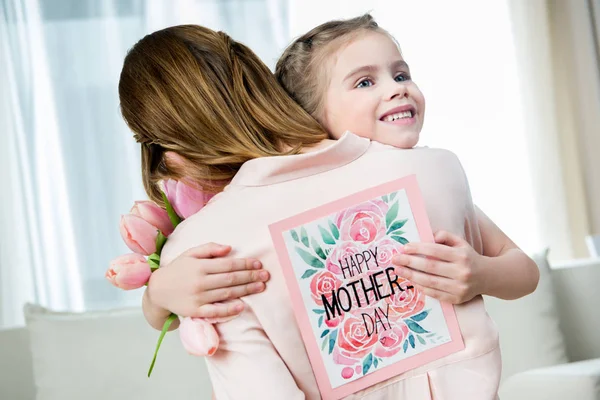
<point>191,284</point>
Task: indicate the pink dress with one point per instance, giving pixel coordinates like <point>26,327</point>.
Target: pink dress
<point>261,355</point>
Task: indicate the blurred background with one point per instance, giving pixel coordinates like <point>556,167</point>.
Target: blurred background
<point>512,87</point>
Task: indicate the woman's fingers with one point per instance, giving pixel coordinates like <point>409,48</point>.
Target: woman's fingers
<point>220,310</point>
<point>233,292</point>
<point>236,278</point>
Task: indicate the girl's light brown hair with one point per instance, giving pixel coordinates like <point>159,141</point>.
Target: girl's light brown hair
<point>209,99</point>
<point>300,67</point>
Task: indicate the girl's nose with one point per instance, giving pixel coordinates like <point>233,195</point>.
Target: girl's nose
<point>396,90</point>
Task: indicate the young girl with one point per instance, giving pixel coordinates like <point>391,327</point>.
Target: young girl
<point>393,109</point>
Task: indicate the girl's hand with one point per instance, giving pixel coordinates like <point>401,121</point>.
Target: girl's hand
<point>191,283</point>
<point>449,272</point>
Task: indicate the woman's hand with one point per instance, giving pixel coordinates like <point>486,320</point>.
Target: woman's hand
<point>196,282</point>
<point>450,271</point>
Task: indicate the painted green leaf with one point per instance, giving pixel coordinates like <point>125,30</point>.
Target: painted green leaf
<point>325,341</point>
<point>413,326</point>
<point>308,273</point>
<point>325,332</point>
<point>320,321</point>
<point>375,362</point>
<point>309,258</point>
<point>332,339</point>
<point>334,230</point>
<point>318,249</point>
<point>411,340</point>
<point>326,236</point>
<point>384,198</point>
<point>303,236</point>
<point>420,316</point>
<point>405,346</point>
<point>393,196</point>
<point>294,235</point>
<point>396,225</point>
<point>367,362</point>
<point>421,340</point>
<point>399,239</point>
<point>391,215</point>
<point>317,311</point>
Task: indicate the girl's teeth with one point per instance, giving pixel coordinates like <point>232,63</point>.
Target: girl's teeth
<point>393,117</point>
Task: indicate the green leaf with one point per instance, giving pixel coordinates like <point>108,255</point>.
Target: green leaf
<point>175,220</point>
<point>325,341</point>
<point>332,338</point>
<point>411,339</point>
<point>405,346</point>
<point>325,332</point>
<point>320,321</point>
<point>309,258</point>
<point>413,326</point>
<point>375,362</point>
<point>160,241</point>
<point>396,225</point>
<point>317,311</point>
<point>393,196</point>
<point>326,236</point>
<point>391,215</point>
<point>294,235</point>
<point>399,239</point>
<point>165,328</point>
<point>334,230</point>
<point>303,236</point>
<point>318,249</point>
<point>367,362</point>
<point>420,316</point>
<point>154,261</point>
<point>384,198</point>
<point>421,340</point>
<point>308,273</point>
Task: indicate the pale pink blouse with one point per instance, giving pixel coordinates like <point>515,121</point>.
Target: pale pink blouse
<point>261,355</point>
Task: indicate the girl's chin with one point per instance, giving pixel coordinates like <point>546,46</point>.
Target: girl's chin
<point>403,140</point>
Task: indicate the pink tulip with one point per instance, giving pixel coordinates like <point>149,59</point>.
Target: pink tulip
<point>186,200</point>
<point>138,234</point>
<point>129,271</point>
<point>199,338</point>
<point>154,215</point>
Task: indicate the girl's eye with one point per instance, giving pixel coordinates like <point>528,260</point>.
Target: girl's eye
<point>364,83</point>
<point>402,77</point>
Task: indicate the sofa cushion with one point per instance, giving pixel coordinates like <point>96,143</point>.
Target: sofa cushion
<point>16,374</point>
<point>530,336</point>
<point>106,354</point>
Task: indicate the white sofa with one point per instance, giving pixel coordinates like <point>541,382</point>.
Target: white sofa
<point>550,342</point>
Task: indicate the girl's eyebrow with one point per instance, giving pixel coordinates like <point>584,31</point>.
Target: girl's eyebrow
<point>374,68</point>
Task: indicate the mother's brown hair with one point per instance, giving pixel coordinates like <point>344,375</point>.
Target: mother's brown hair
<point>198,93</point>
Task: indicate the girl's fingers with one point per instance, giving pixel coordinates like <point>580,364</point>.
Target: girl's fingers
<point>233,292</point>
<point>236,278</point>
<point>429,266</point>
<point>426,280</point>
<point>435,250</point>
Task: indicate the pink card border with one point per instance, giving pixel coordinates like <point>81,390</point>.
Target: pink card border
<point>410,184</point>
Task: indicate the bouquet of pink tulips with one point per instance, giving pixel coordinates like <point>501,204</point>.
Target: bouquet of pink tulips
<point>145,230</point>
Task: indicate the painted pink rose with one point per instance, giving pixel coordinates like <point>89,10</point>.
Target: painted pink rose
<point>353,340</point>
<point>391,340</point>
<point>334,322</point>
<point>405,303</point>
<point>324,283</point>
<point>339,255</point>
<point>386,249</point>
<point>347,373</point>
<point>364,223</point>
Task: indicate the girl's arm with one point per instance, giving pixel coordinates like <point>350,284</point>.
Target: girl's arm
<point>192,283</point>
<point>508,272</point>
